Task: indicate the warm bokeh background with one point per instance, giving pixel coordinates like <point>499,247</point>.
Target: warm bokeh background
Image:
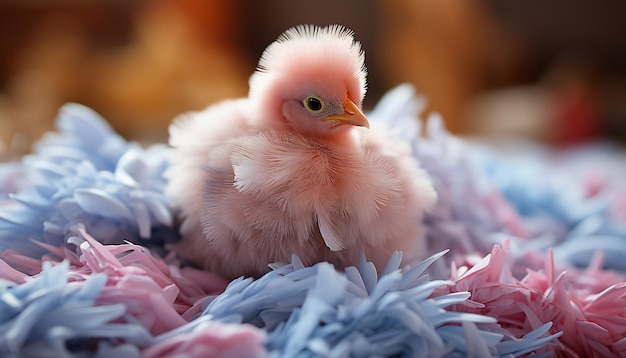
<point>552,71</point>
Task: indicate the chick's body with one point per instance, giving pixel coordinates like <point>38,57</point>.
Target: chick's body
<point>291,169</point>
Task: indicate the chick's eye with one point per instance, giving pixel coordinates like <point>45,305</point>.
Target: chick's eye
<point>314,104</point>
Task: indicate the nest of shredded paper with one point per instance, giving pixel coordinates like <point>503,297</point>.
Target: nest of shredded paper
<point>526,259</point>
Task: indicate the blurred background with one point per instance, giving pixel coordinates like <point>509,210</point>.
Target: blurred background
<point>553,72</point>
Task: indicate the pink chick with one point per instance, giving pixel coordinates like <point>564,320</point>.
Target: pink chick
<point>294,169</point>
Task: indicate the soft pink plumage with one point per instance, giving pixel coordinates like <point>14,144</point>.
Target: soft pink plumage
<point>292,168</point>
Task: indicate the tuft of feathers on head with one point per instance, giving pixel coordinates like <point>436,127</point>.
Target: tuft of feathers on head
<point>312,31</point>
<point>312,47</point>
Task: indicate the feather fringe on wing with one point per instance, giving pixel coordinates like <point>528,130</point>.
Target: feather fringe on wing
<point>535,261</point>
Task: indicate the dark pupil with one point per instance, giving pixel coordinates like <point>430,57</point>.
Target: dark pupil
<point>314,104</point>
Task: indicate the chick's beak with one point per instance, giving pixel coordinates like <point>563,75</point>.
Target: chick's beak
<point>351,115</point>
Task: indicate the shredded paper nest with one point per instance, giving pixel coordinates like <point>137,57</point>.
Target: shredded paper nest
<point>527,259</point>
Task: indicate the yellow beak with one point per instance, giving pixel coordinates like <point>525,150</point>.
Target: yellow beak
<point>351,115</point>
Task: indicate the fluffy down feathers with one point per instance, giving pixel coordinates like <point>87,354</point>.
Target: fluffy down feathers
<point>260,178</point>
